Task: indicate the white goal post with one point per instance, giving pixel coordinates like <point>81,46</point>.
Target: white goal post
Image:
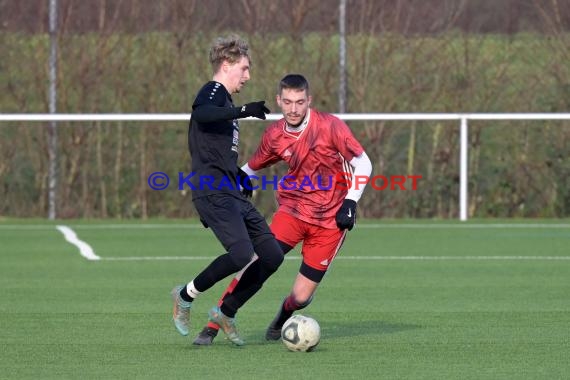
<point>462,118</point>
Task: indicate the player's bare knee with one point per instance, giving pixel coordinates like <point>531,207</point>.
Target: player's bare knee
<point>302,300</point>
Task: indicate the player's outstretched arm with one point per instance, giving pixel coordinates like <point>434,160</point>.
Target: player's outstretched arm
<point>209,113</point>
<point>254,109</point>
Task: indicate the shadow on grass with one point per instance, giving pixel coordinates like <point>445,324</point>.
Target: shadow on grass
<point>340,329</point>
<point>330,330</point>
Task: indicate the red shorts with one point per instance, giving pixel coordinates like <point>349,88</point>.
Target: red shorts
<point>320,245</point>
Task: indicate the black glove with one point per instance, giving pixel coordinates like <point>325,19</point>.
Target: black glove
<point>346,215</point>
<point>255,109</point>
<point>245,184</point>
<point>204,223</point>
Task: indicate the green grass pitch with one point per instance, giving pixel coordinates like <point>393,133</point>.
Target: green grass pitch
<point>403,300</point>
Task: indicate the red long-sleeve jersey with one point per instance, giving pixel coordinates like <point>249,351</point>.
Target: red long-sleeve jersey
<point>316,157</point>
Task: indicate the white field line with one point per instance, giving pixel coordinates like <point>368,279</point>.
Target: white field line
<point>87,252</point>
<point>466,226</point>
<point>408,258</point>
<point>84,249</point>
<point>24,227</point>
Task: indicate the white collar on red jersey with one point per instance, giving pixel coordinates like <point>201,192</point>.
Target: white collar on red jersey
<point>301,126</point>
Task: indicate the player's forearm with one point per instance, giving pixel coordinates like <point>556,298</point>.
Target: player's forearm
<point>209,113</point>
<point>362,167</point>
<point>248,170</point>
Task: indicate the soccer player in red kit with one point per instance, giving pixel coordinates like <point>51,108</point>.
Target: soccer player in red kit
<point>314,207</point>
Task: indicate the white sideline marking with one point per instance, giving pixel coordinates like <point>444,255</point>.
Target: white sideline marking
<point>87,252</point>
<point>410,258</point>
<point>467,258</point>
<point>84,249</point>
<point>464,226</point>
<point>373,225</point>
<point>24,227</point>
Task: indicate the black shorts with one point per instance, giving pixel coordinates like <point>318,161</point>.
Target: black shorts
<point>232,219</point>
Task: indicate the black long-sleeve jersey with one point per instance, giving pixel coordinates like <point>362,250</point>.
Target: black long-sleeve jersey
<point>213,138</point>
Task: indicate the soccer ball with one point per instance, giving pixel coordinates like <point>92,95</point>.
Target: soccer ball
<point>301,333</point>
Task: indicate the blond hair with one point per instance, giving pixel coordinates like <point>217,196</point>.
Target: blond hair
<point>230,49</point>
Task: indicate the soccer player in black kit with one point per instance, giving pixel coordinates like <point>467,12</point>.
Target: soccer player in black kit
<point>213,138</point>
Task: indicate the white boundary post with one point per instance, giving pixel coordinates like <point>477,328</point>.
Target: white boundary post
<point>342,57</point>
<point>52,128</point>
<point>463,169</point>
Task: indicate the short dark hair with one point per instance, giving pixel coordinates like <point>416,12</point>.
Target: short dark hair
<point>295,82</point>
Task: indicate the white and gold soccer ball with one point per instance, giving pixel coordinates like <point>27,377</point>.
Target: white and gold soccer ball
<point>301,333</point>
